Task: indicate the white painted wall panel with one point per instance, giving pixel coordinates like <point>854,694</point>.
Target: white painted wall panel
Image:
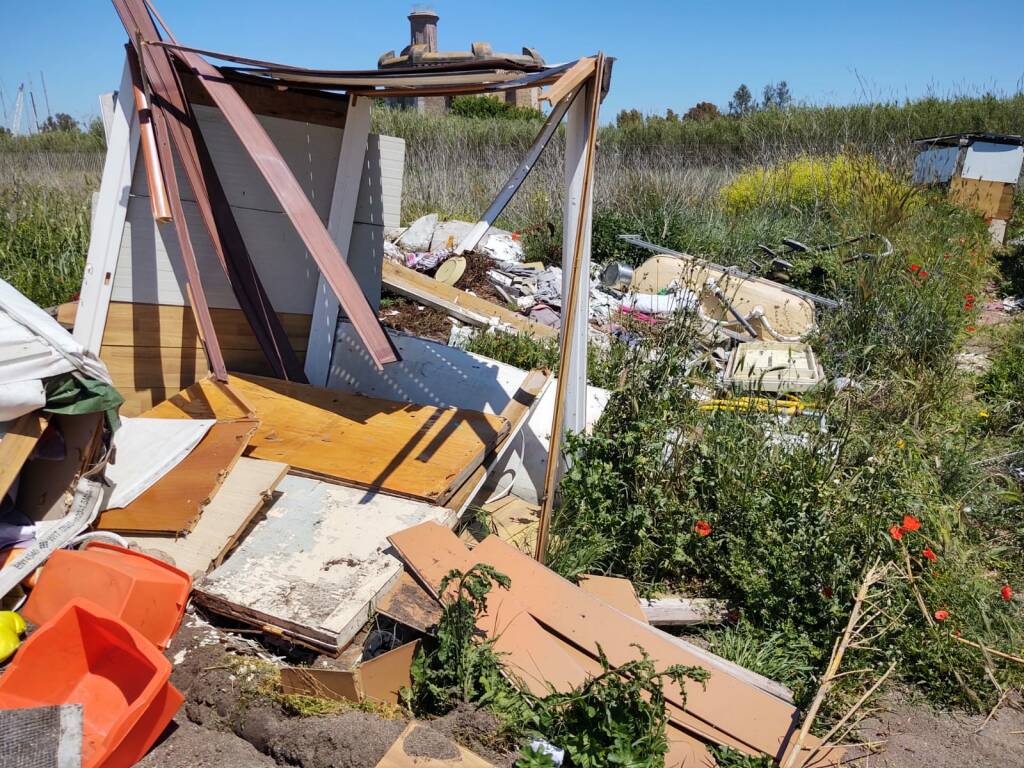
<point>993,162</point>
<point>150,270</point>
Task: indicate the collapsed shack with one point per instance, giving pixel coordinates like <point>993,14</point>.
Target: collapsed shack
<point>282,459</point>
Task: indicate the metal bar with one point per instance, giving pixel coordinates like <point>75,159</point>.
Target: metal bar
<point>158,202</point>
<point>473,237</point>
<point>825,302</point>
<point>297,207</point>
<point>570,318</point>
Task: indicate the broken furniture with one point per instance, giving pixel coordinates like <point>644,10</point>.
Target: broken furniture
<point>85,655</point>
<point>146,594</point>
<point>981,170</point>
<point>731,302</point>
<point>773,366</point>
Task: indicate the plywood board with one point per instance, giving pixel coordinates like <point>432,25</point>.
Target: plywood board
<point>17,440</point>
<point>156,325</point>
<point>408,603</point>
<point>993,199</point>
<point>383,677</point>
<point>727,710</point>
<point>403,754</point>
<point>413,451</point>
<point>174,503</point>
<point>457,303</point>
<point>314,564</point>
<point>515,521</point>
<point>245,491</point>
<point>332,684</point>
<point>617,592</point>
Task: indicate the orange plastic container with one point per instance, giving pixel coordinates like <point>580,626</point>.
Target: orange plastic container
<point>85,655</point>
<point>145,593</point>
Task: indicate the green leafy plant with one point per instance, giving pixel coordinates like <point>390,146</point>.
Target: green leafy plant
<point>616,718</point>
<point>463,666</point>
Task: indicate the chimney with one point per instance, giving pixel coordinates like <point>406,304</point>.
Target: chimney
<point>423,27</point>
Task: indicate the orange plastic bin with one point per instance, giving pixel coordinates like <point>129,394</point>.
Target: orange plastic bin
<point>145,593</point>
<point>85,655</point>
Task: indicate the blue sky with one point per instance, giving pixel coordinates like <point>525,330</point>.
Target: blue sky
<point>670,54</point>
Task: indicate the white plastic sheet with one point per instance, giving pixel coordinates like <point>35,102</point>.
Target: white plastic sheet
<point>993,162</point>
<point>935,165</point>
<point>146,450</point>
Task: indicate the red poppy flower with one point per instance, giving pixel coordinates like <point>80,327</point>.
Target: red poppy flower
<point>910,523</point>
<point>923,274</point>
<point>515,235</point>
<point>703,528</point>
<point>971,329</point>
<point>915,267</point>
<point>927,554</point>
<point>896,532</point>
<point>969,298</point>
<point>1006,593</point>
<point>941,615</point>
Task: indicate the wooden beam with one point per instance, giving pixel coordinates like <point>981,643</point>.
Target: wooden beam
<point>108,221</point>
<point>573,78</point>
<point>572,365</point>
<point>16,446</point>
<point>339,226</point>
<point>458,304</point>
<point>683,611</point>
<point>469,242</point>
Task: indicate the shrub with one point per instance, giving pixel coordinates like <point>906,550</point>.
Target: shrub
<point>815,183</point>
<point>490,107</point>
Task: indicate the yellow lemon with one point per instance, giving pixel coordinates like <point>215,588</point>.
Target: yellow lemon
<point>13,621</point>
<point>9,643</point>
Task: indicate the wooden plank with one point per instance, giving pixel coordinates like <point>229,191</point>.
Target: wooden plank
<point>412,451</point>
<point>683,611</point>
<point>532,656</point>
<point>457,303</point>
<point>516,413</point>
<point>312,567</point>
<point>404,754</point>
<point>109,219</point>
<point>570,412</point>
<point>472,238</point>
<point>139,400</point>
<point>351,159</point>
<point>993,199</point>
<point>163,325</point>
<point>16,445</point>
<point>408,603</point>
<point>570,80</point>
<point>617,592</point>
<point>174,503</point>
<point>173,367</point>
<point>726,710</point>
<point>246,490</point>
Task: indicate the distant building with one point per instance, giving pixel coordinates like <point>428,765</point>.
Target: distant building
<point>422,52</point>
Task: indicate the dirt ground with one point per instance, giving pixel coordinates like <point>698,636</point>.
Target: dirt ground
<point>225,722</point>
<point>917,736</point>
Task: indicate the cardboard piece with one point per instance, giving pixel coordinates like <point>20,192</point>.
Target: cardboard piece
<point>379,679</point>
<point>403,754</point>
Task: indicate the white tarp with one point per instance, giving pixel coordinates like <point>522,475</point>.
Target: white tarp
<point>146,450</point>
<point>33,347</point>
<point>935,165</point>
<point>993,162</point>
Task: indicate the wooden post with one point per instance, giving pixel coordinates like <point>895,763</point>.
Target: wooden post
<point>571,393</point>
<point>347,181</point>
<point>108,218</point>
<point>576,210</point>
